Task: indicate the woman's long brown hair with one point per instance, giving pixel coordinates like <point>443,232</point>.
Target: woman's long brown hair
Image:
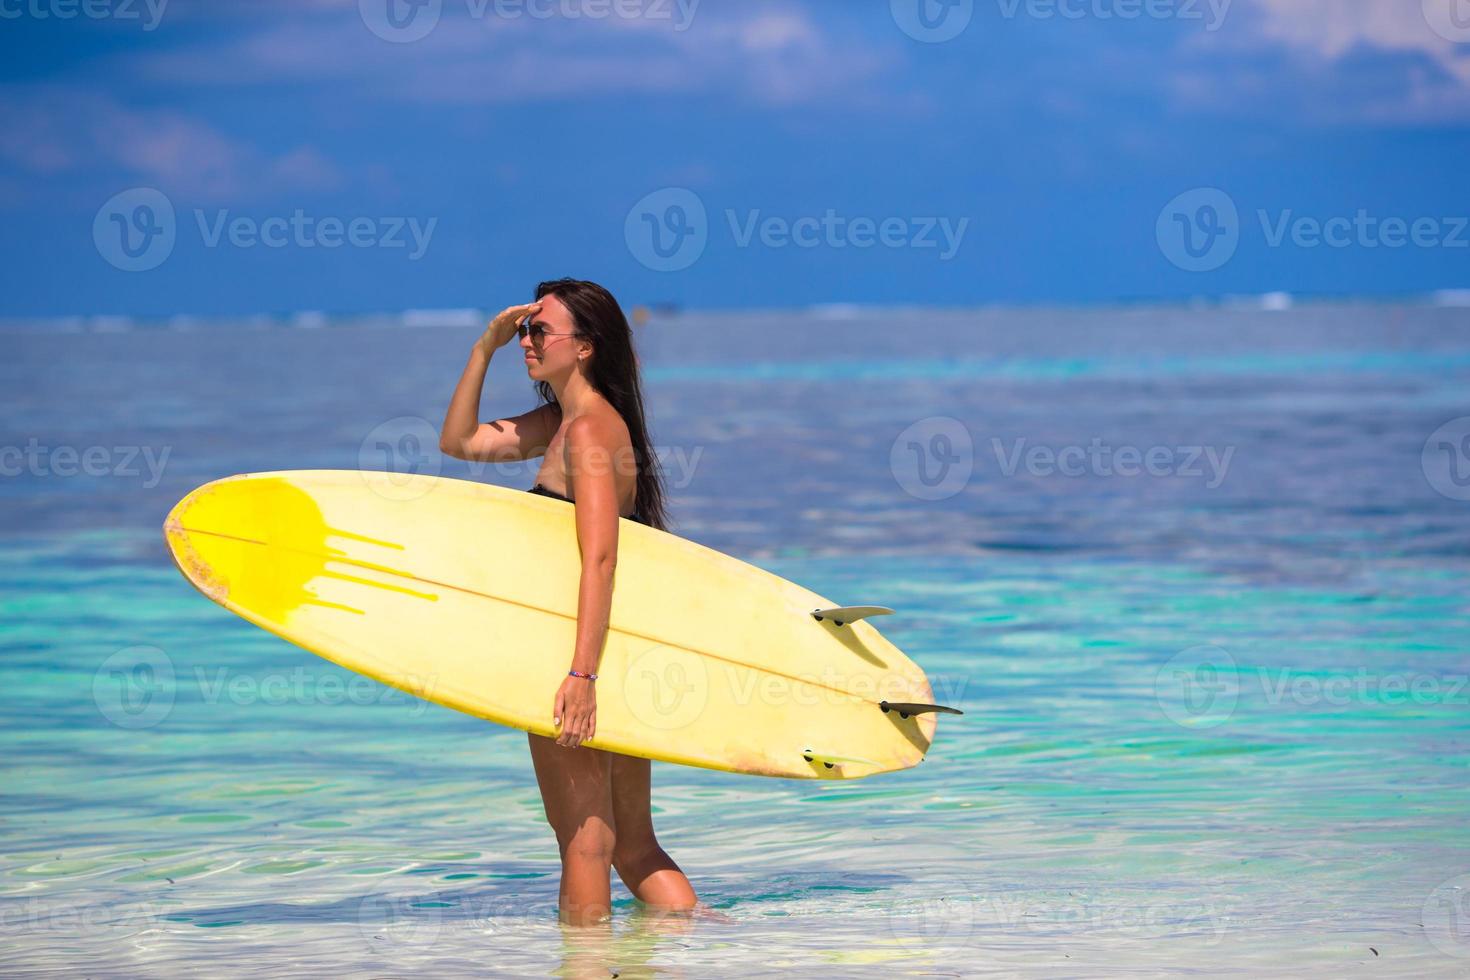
<point>614,373</point>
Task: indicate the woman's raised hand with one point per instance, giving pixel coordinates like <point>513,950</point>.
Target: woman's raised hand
<point>503,327</point>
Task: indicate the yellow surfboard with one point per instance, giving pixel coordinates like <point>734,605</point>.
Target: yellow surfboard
<point>465,595</point>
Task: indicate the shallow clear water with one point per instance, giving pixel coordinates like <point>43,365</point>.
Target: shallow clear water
<point>1217,716</point>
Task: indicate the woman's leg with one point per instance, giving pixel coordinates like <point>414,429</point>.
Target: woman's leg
<point>576,789</point>
<point>650,874</point>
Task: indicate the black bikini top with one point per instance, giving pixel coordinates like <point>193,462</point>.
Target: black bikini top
<point>547,492</point>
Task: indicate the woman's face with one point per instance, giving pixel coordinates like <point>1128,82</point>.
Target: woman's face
<point>554,351</point>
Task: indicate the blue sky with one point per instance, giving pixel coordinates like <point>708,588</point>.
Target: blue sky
<point>322,155</point>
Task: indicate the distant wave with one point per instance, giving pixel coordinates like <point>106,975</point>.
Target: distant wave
<point>1061,369</point>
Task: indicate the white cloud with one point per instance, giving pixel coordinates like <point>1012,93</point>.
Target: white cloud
<point>776,31</point>
<point>761,53</point>
<point>1332,28</point>
<point>322,54</point>
<point>50,130</point>
<point>1373,61</point>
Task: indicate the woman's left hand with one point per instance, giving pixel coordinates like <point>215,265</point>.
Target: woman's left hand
<point>575,711</point>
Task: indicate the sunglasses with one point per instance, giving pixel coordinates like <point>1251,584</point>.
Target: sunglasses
<point>538,332</point>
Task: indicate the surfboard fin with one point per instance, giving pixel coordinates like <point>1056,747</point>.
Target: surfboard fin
<point>829,760</point>
<point>906,708</point>
<point>842,615</point>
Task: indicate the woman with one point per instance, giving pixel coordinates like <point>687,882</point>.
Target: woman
<point>579,351</point>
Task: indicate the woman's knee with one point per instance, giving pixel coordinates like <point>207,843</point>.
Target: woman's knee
<point>593,841</point>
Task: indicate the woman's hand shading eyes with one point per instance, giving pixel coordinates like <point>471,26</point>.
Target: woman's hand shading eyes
<point>505,326</point>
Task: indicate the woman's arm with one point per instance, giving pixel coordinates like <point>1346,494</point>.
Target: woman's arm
<point>589,444</point>
<point>462,419</point>
<point>463,436</point>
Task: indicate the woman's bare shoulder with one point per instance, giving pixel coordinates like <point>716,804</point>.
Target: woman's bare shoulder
<point>600,425</point>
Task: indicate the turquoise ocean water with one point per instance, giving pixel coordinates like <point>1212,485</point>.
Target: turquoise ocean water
<point>1198,579</point>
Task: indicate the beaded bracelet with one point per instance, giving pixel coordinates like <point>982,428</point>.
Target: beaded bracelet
<point>578,673</point>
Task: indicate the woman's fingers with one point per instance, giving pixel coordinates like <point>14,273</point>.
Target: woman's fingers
<point>515,313</point>
<point>578,728</point>
<point>505,324</point>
